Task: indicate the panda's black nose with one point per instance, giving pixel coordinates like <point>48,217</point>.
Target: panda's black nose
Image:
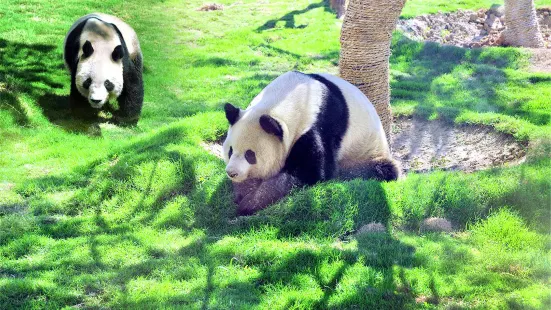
<point>95,101</point>
<point>232,174</point>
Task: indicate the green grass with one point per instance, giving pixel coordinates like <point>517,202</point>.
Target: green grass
<point>100,216</point>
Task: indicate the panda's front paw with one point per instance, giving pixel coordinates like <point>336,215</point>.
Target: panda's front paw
<point>124,121</point>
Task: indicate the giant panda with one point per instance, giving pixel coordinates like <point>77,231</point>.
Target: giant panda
<point>299,130</point>
<point>104,58</point>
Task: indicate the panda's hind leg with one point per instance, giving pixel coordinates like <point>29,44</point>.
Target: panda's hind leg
<point>382,169</point>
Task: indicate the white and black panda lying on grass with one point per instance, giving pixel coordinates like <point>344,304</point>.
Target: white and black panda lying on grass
<point>300,130</point>
<point>104,58</point>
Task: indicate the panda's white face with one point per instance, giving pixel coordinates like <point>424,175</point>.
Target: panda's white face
<point>251,152</point>
<point>99,74</point>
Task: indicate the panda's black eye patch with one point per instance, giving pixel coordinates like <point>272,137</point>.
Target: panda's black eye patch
<point>230,152</point>
<point>87,49</point>
<point>87,83</point>
<point>250,156</point>
<point>117,53</point>
<point>108,85</point>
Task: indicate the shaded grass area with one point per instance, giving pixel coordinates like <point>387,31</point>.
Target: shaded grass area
<point>470,85</point>
<point>92,215</point>
<point>153,225</point>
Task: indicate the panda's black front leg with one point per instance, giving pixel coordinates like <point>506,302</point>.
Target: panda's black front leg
<point>131,99</point>
<point>310,160</point>
<point>80,108</point>
<point>266,193</point>
<point>130,107</point>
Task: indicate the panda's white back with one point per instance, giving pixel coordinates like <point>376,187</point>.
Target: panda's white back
<point>294,99</point>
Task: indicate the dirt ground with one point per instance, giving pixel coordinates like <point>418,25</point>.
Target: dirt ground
<point>467,28</point>
<point>540,60</point>
<point>422,146</point>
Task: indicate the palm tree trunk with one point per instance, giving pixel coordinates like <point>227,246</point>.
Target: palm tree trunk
<point>339,6</point>
<point>522,24</point>
<point>365,51</point>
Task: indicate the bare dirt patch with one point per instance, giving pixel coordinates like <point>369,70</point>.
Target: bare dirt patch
<point>540,60</point>
<point>422,146</point>
<point>467,28</point>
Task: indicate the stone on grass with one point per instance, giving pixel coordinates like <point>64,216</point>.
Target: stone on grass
<point>372,228</point>
<point>436,224</point>
<point>211,7</point>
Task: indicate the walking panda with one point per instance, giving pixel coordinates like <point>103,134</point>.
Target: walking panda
<point>104,58</point>
<point>302,129</point>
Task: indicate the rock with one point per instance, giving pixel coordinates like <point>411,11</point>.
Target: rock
<point>490,20</point>
<point>464,28</point>
<point>372,228</point>
<point>497,10</point>
<point>481,13</point>
<point>436,224</point>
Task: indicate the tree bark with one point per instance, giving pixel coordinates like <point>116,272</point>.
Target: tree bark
<point>339,6</point>
<point>365,51</point>
<point>522,24</point>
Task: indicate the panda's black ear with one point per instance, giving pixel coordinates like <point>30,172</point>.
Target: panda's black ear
<point>117,53</point>
<point>232,113</point>
<point>271,126</point>
<point>87,49</point>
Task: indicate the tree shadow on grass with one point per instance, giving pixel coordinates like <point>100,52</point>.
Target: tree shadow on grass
<point>57,110</point>
<point>161,184</point>
<point>300,60</point>
<point>29,79</point>
<point>447,80</point>
<point>26,69</point>
<point>531,193</point>
<point>32,72</point>
<point>325,211</point>
<point>289,18</point>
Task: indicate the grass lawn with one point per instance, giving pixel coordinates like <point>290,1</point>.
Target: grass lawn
<point>98,216</point>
